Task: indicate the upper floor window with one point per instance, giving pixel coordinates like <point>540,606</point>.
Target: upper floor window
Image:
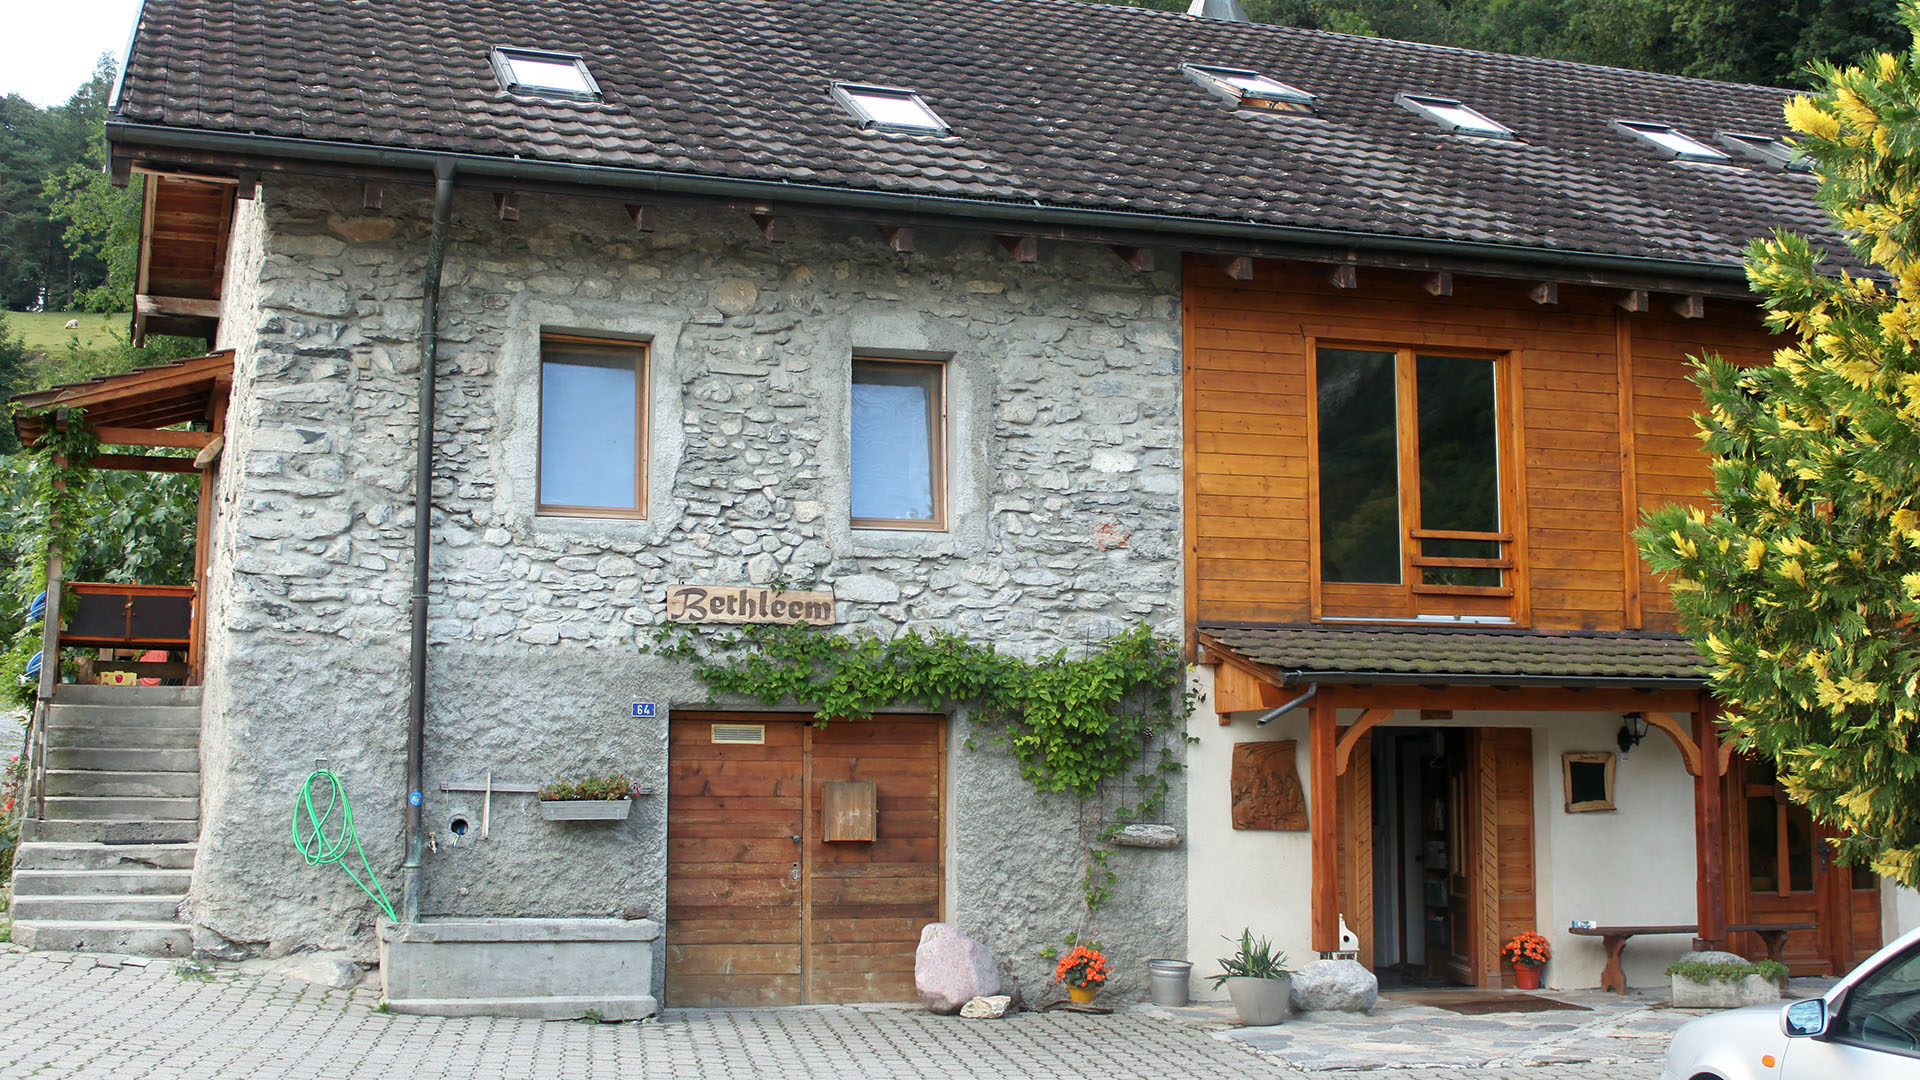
<point>592,427</point>
<point>899,444</point>
<point>1410,480</point>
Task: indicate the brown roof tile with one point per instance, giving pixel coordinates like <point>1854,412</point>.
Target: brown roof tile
<point>1457,655</point>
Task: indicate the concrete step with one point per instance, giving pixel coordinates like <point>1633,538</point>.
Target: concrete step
<point>40,855</point>
<point>97,782</point>
<point>103,883</point>
<point>123,938</point>
<point>71,908</point>
<point>124,737</point>
<point>109,832</point>
<point>101,808</point>
<point>114,715</point>
<point>135,759</point>
<point>79,694</point>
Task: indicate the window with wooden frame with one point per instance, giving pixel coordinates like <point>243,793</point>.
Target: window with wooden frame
<point>899,475</point>
<point>1411,484</point>
<point>1587,781</point>
<point>593,432</point>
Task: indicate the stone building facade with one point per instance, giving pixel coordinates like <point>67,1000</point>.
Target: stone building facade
<point>1064,458</point>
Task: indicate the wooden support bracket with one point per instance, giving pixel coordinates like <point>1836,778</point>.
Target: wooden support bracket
<point>249,184</point>
<point>1547,292</point>
<point>1690,307</point>
<point>1237,267</point>
<point>1139,258</point>
<point>1344,277</point>
<point>1023,248</point>
<point>1689,750</point>
<point>1343,751</point>
<point>1440,284</point>
<point>644,217</point>
<point>898,237</point>
<point>1634,300</point>
<point>1725,755</point>
<point>772,226</point>
<point>370,195</point>
<point>507,203</point>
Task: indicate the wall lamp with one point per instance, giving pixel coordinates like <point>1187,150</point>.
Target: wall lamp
<point>1632,731</point>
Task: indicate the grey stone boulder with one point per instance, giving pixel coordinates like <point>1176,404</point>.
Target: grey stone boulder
<point>987,1008</point>
<point>951,969</point>
<point>1334,986</point>
<point>326,969</point>
<point>1722,993</point>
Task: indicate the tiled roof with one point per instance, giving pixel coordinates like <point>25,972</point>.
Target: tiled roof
<point>1053,104</point>
<point>1464,655</point>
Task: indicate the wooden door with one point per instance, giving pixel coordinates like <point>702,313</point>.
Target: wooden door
<point>762,908</point>
<point>1463,858</point>
<point>735,825</point>
<point>1782,872</point>
<point>1508,787</point>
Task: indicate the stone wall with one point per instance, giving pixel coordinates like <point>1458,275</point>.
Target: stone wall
<point>1064,495</point>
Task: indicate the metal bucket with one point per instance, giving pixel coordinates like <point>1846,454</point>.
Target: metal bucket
<point>1167,982</point>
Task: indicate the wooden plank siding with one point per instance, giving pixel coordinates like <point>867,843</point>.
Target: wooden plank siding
<point>1591,457</point>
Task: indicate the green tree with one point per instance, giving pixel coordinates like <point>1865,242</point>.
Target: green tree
<point>1802,584</point>
<point>99,223</point>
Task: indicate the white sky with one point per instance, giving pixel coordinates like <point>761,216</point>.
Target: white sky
<point>48,47</point>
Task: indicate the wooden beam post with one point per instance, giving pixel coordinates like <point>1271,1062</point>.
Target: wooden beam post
<point>508,205</point>
<point>644,217</point>
<point>898,237</point>
<point>1023,248</point>
<point>1709,827</point>
<point>1322,822</point>
<point>1344,277</point>
<point>1690,307</point>
<point>1634,300</point>
<point>1547,292</point>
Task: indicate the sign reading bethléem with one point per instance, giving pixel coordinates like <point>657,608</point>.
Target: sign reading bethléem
<point>732,604</point>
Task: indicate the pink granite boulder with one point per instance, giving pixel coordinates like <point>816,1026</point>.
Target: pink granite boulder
<point>951,969</point>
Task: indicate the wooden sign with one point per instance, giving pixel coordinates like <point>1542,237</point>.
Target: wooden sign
<point>1266,787</point>
<point>732,604</point>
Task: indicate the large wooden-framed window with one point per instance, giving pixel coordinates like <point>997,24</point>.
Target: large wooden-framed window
<point>1412,486</point>
<point>593,431</point>
<point>899,419</point>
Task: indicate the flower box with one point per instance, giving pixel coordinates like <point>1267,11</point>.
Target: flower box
<point>586,809</point>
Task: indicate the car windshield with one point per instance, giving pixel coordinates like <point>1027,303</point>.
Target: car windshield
<point>1883,1009</point>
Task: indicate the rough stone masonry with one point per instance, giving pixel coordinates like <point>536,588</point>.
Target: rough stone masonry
<point>1064,503</point>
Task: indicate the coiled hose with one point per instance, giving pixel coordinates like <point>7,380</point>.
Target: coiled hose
<point>318,848</point>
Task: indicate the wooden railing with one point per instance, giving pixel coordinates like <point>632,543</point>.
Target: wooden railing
<point>1502,563</point>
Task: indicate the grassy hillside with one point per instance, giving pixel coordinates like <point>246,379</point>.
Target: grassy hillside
<point>45,331</point>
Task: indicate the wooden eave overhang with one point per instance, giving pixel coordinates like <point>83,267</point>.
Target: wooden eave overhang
<point>134,408</point>
<point>184,224</point>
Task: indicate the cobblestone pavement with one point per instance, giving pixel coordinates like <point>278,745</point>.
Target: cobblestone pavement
<point>81,1016</point>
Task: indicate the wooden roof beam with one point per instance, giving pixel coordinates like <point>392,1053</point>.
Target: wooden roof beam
<point>1024,249</point>
<point>1344,276</point>
<point>645,218</point>
<point>1439,284</point>
<point>370,195</point>
<point>1547,292</point>
<point>190,306</point>
<point>1634,300</point>
<point>1237,267</point>
<point>898,237</point>
<point>1690,307</point>
<point>507,204</point>
<point>773,226</point>
<point>1140,258</point>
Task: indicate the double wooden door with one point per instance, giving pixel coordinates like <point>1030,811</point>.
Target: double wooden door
<point>763,907</point>
<point>1781,871</point>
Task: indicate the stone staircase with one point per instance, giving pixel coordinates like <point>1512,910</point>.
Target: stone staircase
<point>106,868</point>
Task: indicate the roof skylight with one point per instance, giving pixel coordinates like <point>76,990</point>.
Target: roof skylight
<point>888,108</point>
<point>529,71</point>
<point>1667,138</point>
<point>1453,116</point>
<point>1766,150</point>
<point>1246,87</point>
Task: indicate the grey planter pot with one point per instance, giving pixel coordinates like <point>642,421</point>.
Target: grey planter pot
<point>1260,1002</point>
<point>586,809</point>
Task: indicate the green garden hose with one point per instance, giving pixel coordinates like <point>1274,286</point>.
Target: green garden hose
<point>319,848</point>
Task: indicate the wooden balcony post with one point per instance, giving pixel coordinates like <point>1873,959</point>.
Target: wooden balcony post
<point>1321,740</point>
<point>1709,819</point>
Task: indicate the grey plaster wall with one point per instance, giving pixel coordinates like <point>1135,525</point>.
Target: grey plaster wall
<point>1064,427</point>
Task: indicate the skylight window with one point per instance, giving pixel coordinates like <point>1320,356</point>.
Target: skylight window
<point>1766,150</point>
<point>888,108</point>
<point>1670,140</point>
<point>1453,116</point>
<point>1245,87</point>
<point>528,71</point>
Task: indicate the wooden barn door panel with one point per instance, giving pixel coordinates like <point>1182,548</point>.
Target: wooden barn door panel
<point>733,929</point>
<point>1513,828</point>
<point>1355,845</point>
<point>868,899</point>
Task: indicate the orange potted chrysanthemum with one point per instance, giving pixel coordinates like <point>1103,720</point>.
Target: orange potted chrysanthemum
<point>1083,970</point>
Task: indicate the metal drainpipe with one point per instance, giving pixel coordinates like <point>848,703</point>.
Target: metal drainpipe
<point>1289,706</point>
<point>423,537</point>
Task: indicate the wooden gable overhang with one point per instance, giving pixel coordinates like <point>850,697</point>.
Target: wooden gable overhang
<point>140,408</point>
<point>184,224</point>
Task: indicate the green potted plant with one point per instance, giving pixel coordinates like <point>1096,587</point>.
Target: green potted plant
<point>1257,979</point>
<point>589,798</point>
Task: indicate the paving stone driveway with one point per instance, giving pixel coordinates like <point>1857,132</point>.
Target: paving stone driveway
<point>75,1016</point>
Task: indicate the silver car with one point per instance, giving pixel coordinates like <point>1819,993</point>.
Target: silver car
<point>1866,1028</point>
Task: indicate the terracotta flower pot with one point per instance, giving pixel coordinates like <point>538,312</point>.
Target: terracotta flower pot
<point>1526,976</point>
<point>1082,994</point>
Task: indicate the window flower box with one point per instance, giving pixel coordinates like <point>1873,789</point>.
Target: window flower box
<point>586,809</point>
<point>592,798</point>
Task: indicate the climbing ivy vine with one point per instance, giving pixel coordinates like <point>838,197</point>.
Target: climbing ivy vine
<point>49,515</point>
<point>1093,725</point>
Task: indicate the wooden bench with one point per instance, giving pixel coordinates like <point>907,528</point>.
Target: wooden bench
<point>1775,937</point>
<point>1615,938</point>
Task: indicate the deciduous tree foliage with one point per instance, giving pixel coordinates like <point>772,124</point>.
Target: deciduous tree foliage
<point>1802,584</point>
